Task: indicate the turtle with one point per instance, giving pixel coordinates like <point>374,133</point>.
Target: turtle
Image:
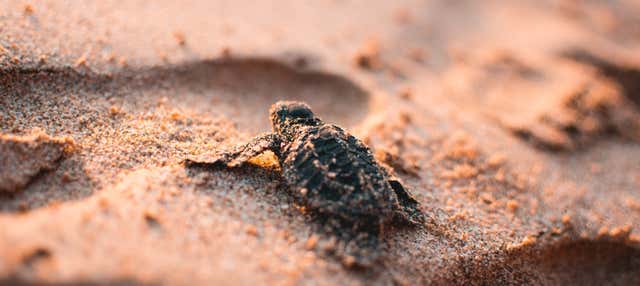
<point>334,175</point>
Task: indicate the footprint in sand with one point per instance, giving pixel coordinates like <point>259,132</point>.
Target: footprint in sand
<point>154,116</point>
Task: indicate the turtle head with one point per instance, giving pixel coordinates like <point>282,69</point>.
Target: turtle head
<point>288,114</point>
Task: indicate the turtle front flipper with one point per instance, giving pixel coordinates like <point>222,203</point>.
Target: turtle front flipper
<point>241,153</point>
<point>409,209</point>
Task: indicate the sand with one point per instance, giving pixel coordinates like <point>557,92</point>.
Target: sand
<point>515,124</point>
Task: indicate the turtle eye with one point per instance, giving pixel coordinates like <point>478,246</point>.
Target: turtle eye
<point>282,114</point>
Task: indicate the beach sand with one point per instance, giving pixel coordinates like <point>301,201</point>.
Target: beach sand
<point>515,124</point>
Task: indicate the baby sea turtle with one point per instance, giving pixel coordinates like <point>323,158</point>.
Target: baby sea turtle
<point>333,175</point>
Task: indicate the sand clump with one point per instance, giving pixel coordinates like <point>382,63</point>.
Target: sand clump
<point>23,157</point>
<point>591,111</point>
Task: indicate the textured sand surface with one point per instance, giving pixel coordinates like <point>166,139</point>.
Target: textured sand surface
<point>515,123</point>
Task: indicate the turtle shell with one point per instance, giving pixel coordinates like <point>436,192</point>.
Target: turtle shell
<point>334,173</point>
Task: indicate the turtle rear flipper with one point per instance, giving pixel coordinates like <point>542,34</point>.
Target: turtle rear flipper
<point>410,214</point>
<point>409,211</point>
<point>356,243</point>
<point>239,154</point>
<point>360,249</point>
